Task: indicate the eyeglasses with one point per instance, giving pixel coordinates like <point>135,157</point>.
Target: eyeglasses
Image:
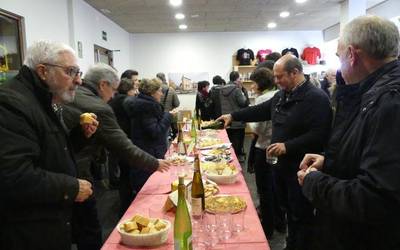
<point>71,71</point>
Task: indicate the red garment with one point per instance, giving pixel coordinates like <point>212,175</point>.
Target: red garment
<point>262,53</point>
<point>311,55</point>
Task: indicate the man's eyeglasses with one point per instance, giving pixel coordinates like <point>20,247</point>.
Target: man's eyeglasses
<point>71,71</point>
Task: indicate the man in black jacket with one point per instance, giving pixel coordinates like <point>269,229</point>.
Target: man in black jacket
<point>301,118</point>
<point>99,85</point>
<point>356,187</point>
<point>38,187</point>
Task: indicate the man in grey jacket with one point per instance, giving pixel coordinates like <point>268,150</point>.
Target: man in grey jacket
<point>100,83</point>
<point>170,99</point>
<point>233,97</point>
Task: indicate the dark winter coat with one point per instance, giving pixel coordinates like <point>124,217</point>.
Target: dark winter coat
<point>116,104</point>
<point>109,135</point>
<point>37,187</point>
<point>149,124</point>
<point>203,104</point>
<point>232,98</point>
<point>301,120</point>
<point>358,193</point>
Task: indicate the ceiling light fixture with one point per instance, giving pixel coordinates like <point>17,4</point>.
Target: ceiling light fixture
<point>183,26</point>
<point>179,16</point>
<point>271,25</point>
<point>301,1</point>
<point>284,14</point>
<point>175,3</point>
<point>195,16</point>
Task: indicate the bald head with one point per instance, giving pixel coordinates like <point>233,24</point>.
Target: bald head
<point>288,72</point>
<point>290,63</point>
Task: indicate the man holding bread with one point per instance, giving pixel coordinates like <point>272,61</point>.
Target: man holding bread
<point>38,186</point>
<point>99,85</point>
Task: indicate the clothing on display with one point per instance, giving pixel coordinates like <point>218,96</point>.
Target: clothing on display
<point>311,54</point>
<point>245,56</point>
<point>262,53</point>
<point>292,51</point>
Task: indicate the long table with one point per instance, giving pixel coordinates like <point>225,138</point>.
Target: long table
<point>154,194</point>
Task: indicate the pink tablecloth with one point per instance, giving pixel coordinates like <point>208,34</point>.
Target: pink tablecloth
<point>151,198</point>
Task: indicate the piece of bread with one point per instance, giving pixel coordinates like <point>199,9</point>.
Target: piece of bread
<point>130,226</point>
<point>86,118</point>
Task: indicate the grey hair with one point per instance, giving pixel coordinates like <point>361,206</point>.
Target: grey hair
<point>45,52</point>
<point>101,72</point>
<point>149,87</point>
<point>376,36</point>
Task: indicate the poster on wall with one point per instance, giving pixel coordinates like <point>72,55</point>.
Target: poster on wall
<point>186,82</point>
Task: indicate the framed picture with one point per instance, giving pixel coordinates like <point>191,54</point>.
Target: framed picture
<point>186,82</point>
<point>12,44</point>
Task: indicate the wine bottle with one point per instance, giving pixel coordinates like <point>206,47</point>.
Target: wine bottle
<point>198,204</point>
<point>198,117</point>
<point>214,125</point>
<point>181,144</point>
<point>182,223</point>
<point>193,130</point>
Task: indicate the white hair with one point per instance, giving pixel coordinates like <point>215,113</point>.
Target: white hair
<point>101,72</point>
<point>45,52</point>
<point>376,36</point>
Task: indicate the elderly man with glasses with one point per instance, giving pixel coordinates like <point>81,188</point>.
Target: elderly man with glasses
<point>355,186</point>
<point>38,186</point>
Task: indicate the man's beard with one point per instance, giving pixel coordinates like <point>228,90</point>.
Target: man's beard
<point>61,94</point>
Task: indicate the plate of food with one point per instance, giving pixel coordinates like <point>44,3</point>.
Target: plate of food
<point>209,142</point>
<point>144,231</point>
<point>216,158</point>
<point>225,204</point>
<point>224,150</point>
<point>180,159</point>
<point>221,172</point>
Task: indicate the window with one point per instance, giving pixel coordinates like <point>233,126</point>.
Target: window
<point>11,44</point>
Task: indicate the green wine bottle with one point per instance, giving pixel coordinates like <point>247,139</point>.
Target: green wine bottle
<point>215,125</point>
<point>193,130</point>
<point>198,117</point>
<point>182,223</point>
<point>198,204</point>
<point>181,144</point>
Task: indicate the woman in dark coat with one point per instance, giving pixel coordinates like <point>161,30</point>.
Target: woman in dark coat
<point>149,124</point>
<point>203,101</point>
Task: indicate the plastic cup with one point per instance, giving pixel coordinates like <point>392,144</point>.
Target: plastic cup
<point>238,222</point>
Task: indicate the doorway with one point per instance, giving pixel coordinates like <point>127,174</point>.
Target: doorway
<point>103,55</point>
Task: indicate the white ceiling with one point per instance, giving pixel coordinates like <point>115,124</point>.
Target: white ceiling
<point>157,16</point>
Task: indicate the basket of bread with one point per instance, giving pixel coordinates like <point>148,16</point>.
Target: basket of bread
<point>221,172</point>
<point>143,231</point>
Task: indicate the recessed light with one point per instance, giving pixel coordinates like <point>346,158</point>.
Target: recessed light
<point>301,1</point>
<point>183,26</point>
<point>195,16</point>
<point>284,14</point>
<point>179,16</point>
<point>175,2</point>
<point>105,11</point>
<point>271,25</point>
<point>299,14</point>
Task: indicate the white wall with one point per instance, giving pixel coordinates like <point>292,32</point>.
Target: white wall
<point>88,25</point>
<point>208,52</point>
<point>70,21</point>
<point>44,19</point>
